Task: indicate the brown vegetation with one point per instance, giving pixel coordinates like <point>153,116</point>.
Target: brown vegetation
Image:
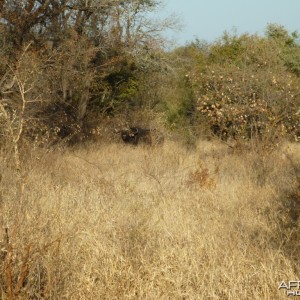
<point>213,213</point>
<point>117,222</point>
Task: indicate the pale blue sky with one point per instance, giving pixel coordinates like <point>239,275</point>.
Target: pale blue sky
<point>208,19</point>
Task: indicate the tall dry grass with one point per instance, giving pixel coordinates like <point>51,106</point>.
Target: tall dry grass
<point>118,222</point>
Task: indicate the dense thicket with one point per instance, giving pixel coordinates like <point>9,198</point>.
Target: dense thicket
<point>246,86</point>
<point>69,69</point>
<point>65,65</point>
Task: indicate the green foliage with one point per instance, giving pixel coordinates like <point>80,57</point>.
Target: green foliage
<point>128,92</point>
<point>289,44</point>
<point>245,86</point>
<point>281,35</point>
<point>228,49</point>
<point>110,61</point>
<point>292,59</point>
<point>93,63</point>
<point>191,56</point>
<point>180,107</point>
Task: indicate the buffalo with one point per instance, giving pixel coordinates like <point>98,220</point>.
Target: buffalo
<point>137,135</point>
<point>134,135</point>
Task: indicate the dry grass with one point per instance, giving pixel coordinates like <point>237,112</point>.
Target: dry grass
<point>116,222</point>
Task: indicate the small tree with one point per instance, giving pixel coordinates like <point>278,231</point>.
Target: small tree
<point>21,99</point>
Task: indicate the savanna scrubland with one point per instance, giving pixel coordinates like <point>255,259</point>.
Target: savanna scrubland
<point>122,222</point>
<point>211,213</point>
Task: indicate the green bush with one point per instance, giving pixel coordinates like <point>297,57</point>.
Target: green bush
<point>247,90</point>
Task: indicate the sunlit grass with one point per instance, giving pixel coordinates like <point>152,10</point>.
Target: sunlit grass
<point>117,222</point>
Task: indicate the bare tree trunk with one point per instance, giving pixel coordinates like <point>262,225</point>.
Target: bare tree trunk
<point>82,106</point>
